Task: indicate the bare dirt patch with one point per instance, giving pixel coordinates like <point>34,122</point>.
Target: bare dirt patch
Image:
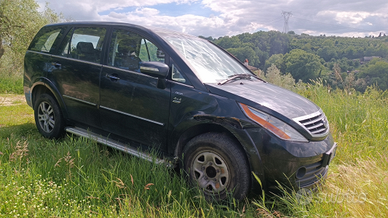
<point>11,100</point>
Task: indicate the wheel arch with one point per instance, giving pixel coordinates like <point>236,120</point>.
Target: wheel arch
<point>238,135</point>
<point>193,131</point>
<point>199,129</point>
<point>40,88</point>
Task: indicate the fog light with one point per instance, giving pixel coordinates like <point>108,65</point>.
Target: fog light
<point>301,172</point>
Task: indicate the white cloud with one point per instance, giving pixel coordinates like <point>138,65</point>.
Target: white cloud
<point>345,17</point>
<point>147,12</point>
<point>230,17</point>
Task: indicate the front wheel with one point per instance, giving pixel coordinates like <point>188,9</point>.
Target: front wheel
<point>216,164</point>
<point>48,117</point>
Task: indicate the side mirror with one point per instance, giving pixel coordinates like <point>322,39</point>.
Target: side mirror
<point>156,69</point>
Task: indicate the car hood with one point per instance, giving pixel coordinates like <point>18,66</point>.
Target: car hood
<point>282,101</point>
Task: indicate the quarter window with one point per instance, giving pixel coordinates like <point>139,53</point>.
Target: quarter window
<point>176,75</point>
<point>45,39</point>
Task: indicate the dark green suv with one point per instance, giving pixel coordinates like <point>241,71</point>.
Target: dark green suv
<point>138,89</point>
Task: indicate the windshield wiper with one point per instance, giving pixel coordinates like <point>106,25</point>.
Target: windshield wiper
<point>234,77</point>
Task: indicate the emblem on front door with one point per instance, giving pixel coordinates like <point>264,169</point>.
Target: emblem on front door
<point>176,100</point>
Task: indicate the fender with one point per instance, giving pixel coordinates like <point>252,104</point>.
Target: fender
<point>233,127</point>
<point>42,81</point>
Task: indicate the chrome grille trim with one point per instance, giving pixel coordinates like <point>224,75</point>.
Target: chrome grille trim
<point>316,124</point>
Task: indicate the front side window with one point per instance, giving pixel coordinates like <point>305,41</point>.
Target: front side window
<point>85,44</point>
<point>149,52</point>
<point>127,50</point>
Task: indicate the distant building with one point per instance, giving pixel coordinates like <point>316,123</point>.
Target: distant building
<point>251,68</point>
<point>367,59</point>
<point>246,62</point>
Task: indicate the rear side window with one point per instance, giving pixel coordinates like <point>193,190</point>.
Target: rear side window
<point>85,44</point>
<point>46,38</point>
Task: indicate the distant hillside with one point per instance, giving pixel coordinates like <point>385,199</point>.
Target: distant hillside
<point>308,57</point>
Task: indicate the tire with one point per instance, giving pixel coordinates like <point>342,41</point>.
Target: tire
<point>48,117</point>
<point>217,165</point>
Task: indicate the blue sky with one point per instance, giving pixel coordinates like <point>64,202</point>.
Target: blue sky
<point>217,18</point>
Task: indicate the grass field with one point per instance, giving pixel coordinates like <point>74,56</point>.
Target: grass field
<point>76,177</point>
<point>12,85</point>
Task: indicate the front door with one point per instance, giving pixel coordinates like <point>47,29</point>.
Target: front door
<point>132,106</point>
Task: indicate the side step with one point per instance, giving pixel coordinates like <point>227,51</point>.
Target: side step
<point>114,144</point>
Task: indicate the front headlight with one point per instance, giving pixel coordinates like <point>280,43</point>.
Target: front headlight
<point>274,125</point>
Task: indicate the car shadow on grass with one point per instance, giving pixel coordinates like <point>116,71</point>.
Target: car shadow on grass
<point>23,130</point>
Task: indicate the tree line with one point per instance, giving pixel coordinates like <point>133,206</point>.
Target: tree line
<point>339,61</point>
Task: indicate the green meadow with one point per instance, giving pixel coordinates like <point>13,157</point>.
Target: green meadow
<point>77,177</point>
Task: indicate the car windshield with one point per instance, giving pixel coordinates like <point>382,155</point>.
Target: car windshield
<point>211,64</point>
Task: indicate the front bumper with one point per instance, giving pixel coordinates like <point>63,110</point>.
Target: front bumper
<point>293,164</point>
<point>310,176</point>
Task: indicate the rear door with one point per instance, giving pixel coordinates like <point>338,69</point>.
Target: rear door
<point>132,106</point>
<point>77,71</point>
<point>38,56</point>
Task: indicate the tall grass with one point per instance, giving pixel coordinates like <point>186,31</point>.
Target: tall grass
<point>77,177</point>
<point>358,121</point>
<point>357,184</point>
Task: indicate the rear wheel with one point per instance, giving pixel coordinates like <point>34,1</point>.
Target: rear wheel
<point>48,117</point>
<point>217,165</point>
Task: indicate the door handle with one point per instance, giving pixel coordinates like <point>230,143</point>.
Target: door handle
<point>112,77</point>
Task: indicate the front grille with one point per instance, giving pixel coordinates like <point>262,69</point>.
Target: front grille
<point>315,123</point>
<point>314,173</point>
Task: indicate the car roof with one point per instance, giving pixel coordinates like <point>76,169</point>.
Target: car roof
<point>148,29</point>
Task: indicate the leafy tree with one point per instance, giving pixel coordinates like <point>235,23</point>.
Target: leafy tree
<point>19,22</point>
<point>382,51</point>
<point>370,51</point>
<point>229,42</point>
<point>278,43</point>
<point>360,52</point>
<point>264,44</point>
<point>376,73</point>
<point>277,60</point>
<point>302,65</point>
<point>307,47</point>
<point>329,42</point>
<point>207,38</point>
<point>275,77</point>
<point>360,85</point>
<point>245,53</point>
<point>344,64</point>
<point>350,52</point>
<point>327,53</point>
